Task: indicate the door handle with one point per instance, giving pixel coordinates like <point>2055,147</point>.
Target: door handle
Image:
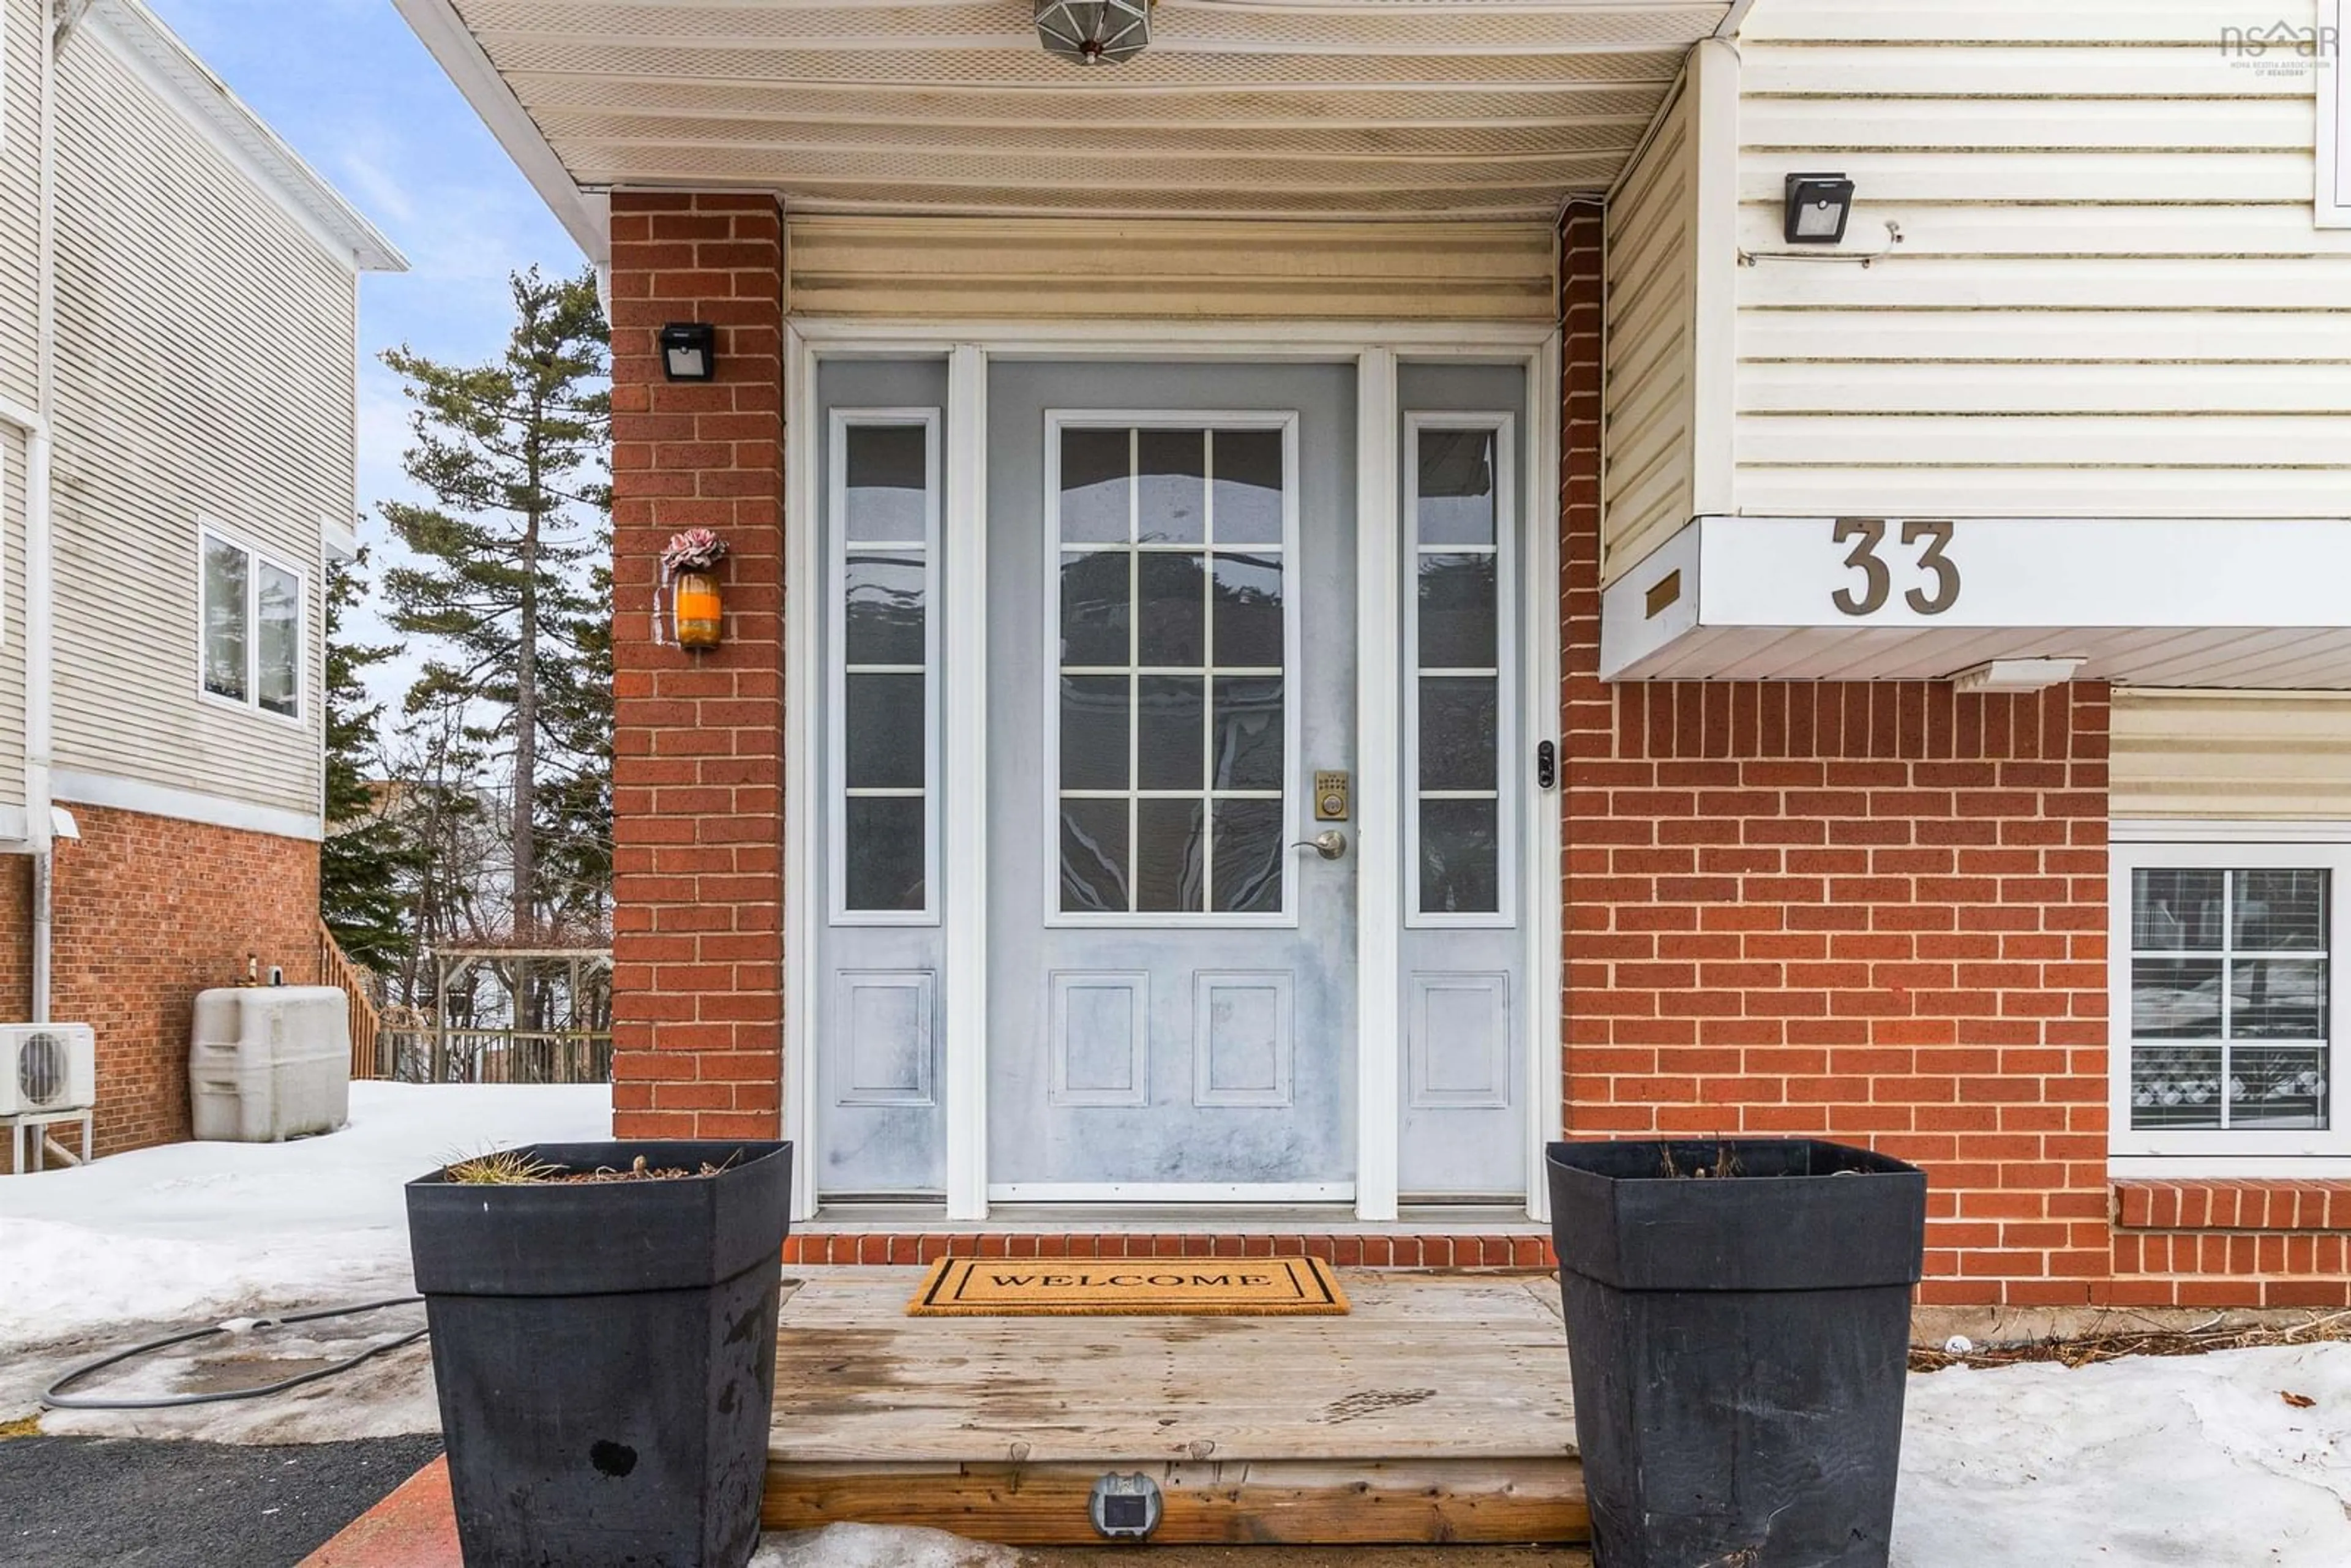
<point>1331,844</point>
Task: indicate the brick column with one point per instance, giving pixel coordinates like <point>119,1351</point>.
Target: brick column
<point>1875,911</point>
<point>697,797</point>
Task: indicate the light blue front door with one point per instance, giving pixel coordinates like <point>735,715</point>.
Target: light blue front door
<point>1171,661</point>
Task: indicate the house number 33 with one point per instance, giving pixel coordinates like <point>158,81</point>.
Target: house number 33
<point>1866,535</point>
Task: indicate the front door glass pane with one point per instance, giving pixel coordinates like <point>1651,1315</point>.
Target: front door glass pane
<point>1458,696</point>
<point>884,561</point>
<point>1173,605</point>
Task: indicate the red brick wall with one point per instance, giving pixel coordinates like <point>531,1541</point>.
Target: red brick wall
<point>1872,911</point>
<point>2220,1243</point>
<point>147,911</point>
<point>698,738</point>
<point>16,937</point>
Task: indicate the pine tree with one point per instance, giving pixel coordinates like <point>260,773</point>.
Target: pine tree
<point>512,455</point>
<point>361,864</point>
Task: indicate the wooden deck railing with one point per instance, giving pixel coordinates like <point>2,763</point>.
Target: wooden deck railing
<point>336,969</point>
<point>457,1055</point>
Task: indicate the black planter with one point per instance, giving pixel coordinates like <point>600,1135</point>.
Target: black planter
<point>1738,1344</point>
<point>606,1355</point>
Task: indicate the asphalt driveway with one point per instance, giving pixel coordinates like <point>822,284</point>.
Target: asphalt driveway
<point>129,1502</point>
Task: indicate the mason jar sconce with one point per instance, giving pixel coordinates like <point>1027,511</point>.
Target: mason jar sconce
<point>689,351</point>
<point>697,614</point>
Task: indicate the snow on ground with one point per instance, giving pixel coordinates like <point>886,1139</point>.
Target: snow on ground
<point>191,1231</point>
<point>2173,1462</point>
<point>2186,1462</point>
<point>878,1546</point>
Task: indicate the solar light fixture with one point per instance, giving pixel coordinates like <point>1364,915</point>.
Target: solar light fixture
<point>1818,206</point>
<point>690,350</point>
<point>1094,32</point>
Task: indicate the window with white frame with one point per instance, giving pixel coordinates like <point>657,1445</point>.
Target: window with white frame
<point>885,556</point>
<point>1173,728</point>
<point>251,614</point>
<point>2227,992</point>
<point>1458,637</point>
<point>2325,51</point>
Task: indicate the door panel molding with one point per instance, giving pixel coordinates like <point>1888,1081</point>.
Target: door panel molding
<point>1064,987</point>
<point>1208,986</point>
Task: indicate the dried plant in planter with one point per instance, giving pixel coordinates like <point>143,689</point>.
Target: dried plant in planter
<point>1726,1163</point>
<point>516,1168</point>
<point>506,1168</point>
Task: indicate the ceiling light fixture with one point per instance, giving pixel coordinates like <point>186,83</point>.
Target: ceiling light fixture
<point>1094,32</point>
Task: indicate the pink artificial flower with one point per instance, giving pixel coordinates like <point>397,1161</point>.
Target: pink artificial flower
<point>696,550</point>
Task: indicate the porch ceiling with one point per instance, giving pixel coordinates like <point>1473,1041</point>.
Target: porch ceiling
<point>1239,109</point>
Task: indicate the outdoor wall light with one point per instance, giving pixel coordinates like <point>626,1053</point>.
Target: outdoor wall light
<point>1818,206</point>
<point>1094,32</point>
<point>690,350</point>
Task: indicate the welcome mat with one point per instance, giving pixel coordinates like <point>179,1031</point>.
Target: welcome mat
<point>1142,1287</point>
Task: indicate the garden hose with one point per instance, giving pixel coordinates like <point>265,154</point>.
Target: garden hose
<point>55,1398</point>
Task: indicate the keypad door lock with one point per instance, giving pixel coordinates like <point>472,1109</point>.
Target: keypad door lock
<point>1331,797</point>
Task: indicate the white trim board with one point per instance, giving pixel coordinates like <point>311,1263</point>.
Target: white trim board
<point>2332,194</point>
<point>2248,602</point>
<point>1171,1192</point>
<point>1178,341</point>
<point>967,825</point>
<point>1545,1014</point>
<point>182,805</point>
<point>2216,831</point>
<point>1379,777</point>
<point>804,578</point>
<point>188,84</point>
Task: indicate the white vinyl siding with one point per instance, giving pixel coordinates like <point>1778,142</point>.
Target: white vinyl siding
<point>1646,483</point>
<point>2109,296</point>
<point>206,368</point>
<point>20,186</point>
<point>2263,756</point>
<point>20,201</point>
<point>1057,269</point>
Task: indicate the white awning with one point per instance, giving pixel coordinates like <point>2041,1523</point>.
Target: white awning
<point>1327,109</point>
<point>2170,601</point>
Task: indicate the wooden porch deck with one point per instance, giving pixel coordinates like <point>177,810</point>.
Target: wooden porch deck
<point>1439,1411</point>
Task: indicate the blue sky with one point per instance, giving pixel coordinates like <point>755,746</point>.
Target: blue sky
<point>349,87</point>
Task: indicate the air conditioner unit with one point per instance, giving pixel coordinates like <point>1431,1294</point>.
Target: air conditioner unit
<point>46,1067</point>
